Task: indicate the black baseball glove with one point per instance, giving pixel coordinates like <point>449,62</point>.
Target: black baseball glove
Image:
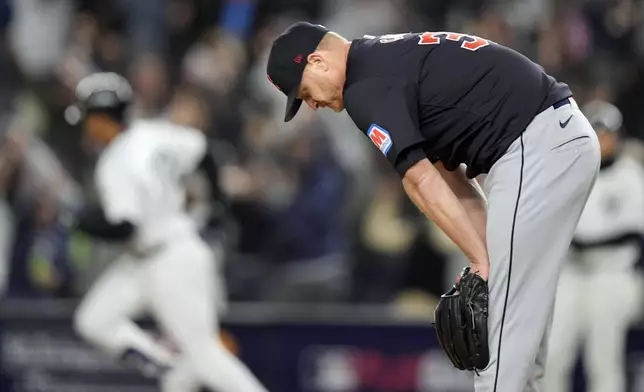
<point>461,322</point>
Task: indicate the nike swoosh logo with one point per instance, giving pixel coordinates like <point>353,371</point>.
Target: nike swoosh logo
<point>565,123</point>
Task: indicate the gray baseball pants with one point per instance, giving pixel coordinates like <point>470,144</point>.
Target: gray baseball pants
<point>536,193</point>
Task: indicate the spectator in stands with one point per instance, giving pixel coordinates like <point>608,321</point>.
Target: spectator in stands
<point>307,240</point>
<point>386,236</point>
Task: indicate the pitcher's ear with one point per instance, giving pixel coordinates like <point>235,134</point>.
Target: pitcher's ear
<point>317,61</point>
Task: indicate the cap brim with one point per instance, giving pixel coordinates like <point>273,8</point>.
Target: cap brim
<point>292,105</point>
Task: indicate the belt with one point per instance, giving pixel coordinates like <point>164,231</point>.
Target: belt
<point>563,102</point>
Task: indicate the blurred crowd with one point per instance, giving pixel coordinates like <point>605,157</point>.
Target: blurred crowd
<point>314,211</point>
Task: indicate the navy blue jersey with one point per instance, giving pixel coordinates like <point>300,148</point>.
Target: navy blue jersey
<point>455,98</point>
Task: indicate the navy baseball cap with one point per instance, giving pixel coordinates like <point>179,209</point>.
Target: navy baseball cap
<point>287,61</point>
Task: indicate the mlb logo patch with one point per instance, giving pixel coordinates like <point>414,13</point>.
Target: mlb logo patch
<point>380,137</point>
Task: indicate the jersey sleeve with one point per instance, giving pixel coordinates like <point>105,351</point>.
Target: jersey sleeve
<point>119,195</point>
<point>637,195</point>
<point>386,110</point>
<point>194,148</point>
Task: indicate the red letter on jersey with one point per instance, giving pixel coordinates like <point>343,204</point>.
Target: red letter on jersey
<point>474,45</point>
<point>454,36</point>
<point>470,42</point>
<point>429,39</point>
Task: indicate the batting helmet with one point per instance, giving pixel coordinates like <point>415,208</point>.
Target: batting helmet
<point>603,116</point>
<point>103,92</point>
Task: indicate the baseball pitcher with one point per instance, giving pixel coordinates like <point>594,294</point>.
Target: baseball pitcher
<point>430,102</point>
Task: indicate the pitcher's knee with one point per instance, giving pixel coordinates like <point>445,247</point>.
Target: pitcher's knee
<point>505,379</point>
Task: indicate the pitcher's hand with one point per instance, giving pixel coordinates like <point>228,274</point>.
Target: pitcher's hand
<point>481,268</point>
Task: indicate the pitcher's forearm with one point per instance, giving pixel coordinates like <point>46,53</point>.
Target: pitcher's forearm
<point>433,196</point>
<point>477,212</point>
<point>471,196</point>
